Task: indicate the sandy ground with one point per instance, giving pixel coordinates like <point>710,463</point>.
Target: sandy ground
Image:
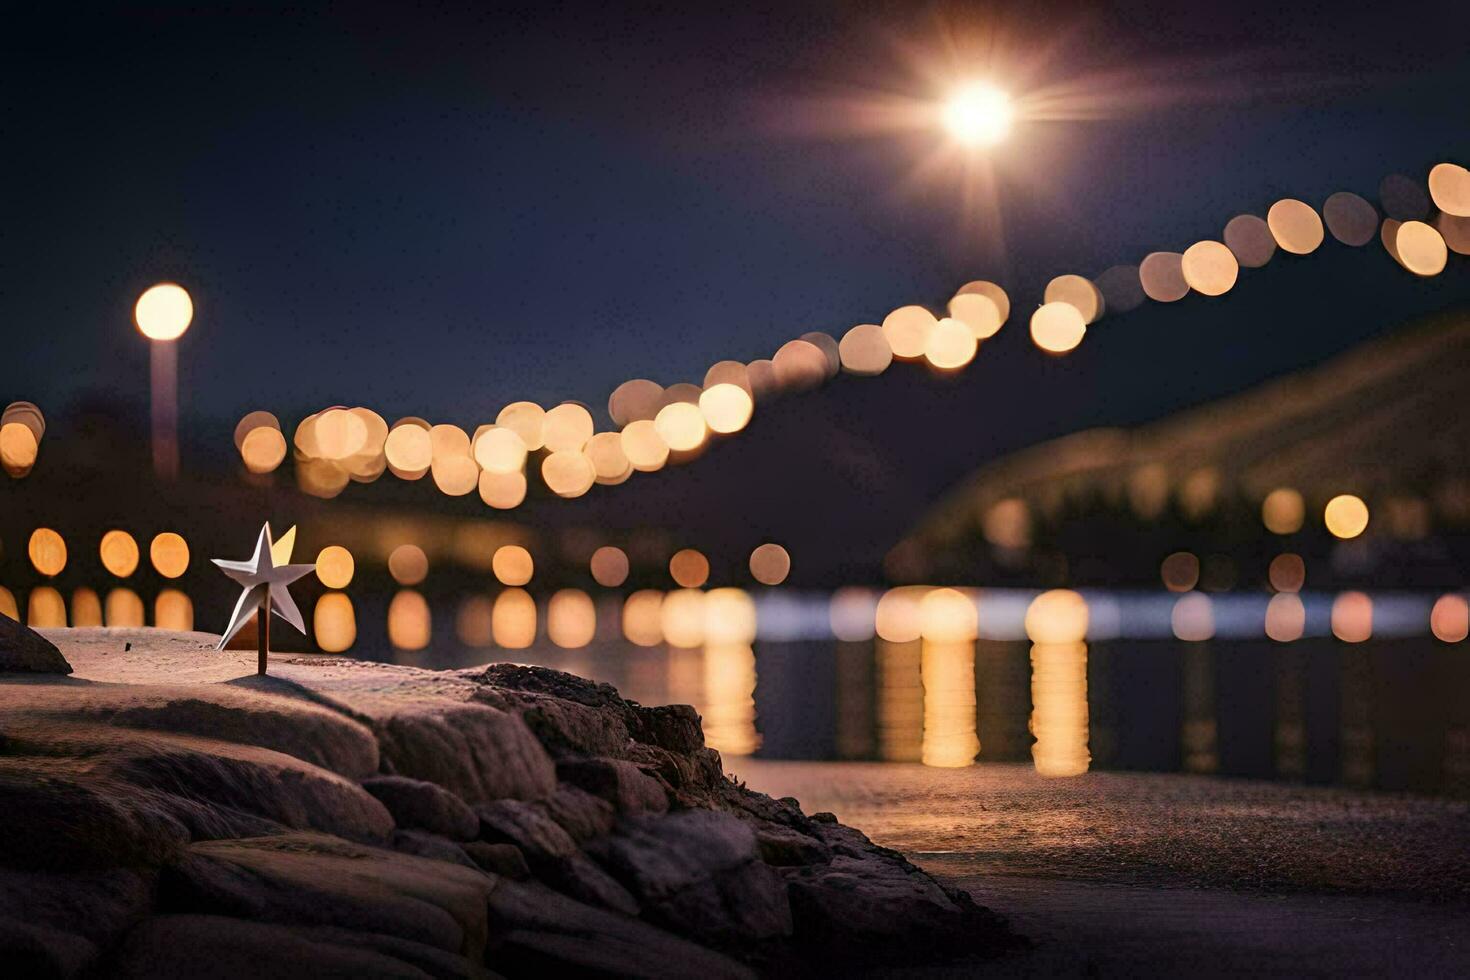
<point>1160,875</point>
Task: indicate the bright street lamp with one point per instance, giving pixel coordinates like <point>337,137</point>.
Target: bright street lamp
<point>162,314</point>
<point>978,115</point>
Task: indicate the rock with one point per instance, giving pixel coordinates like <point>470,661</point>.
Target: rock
<point>582,878</point>
<point>583,816</point>
<point>425,806</point>
<point>59,817</point>
<point>620,783</point>
<point>316,880</point>
<point>288,725</point>
<point>58,924</point>
<point>423,844</point>
<point>785,847</point>
<point>698,872</point>
<point>505,860</point>
<point>674,727</point>
<point>211,945</point>
<point>537,931</point>
<point>477,752</point>
<point>24,650</point>
<point>527,826</point>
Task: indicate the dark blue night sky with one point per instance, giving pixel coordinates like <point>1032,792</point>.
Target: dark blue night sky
<point>437,209</point>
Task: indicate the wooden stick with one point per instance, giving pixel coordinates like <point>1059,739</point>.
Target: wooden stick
<point>263,632</point>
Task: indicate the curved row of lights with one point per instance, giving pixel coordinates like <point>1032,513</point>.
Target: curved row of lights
<point>660,425</point>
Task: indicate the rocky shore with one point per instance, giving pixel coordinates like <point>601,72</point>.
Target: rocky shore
<point>168,813</point>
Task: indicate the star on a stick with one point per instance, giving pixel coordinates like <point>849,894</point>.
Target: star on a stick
<point>264,583</point>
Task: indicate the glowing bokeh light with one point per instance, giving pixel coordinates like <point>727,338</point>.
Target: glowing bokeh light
<point>1286,617</point>
<point>799,365</point>
<point>978,312</point>
<point>172,610</point>
<point>119,553</point>
<point>335,566</point>
<point>410,451</point>
<point>1420,248</point>
<point>1209,268</point>
<point>47,551</point>
<point>644,446</point>
<point>770,564</point>
<point>410,623</point>
<point>164,311</point>
<point>643,618</point>
<point>610,465</point>
<point>864,350</point>
<point>1352,617</point>
<point>566,428</point>
<point>527,420</point>
<point>1449,186</point>
<point>635,400</point>
<point>726,408</point>
<point>1162,277</point>
<point>334,623</point>
<point>500,450</point>
<point>609,566</point>
<point>1296,227</point>
<point>46,609</point>
<point>680,426</point>
<point>1250,240</point>
<point>86,608</point>
<point>951,345</point>
<point>1057,617</point>
<point>263,449</point>
<point>1077,290</point>
<point>408,564</point>
<point>992,292</point>
<point>455,476</point>
<point>1057,327</point>
<point>513,565</point>
<point>1449,620</point>
<point>1287,573</point>
<point>571,619</point>
<point>1193,618</point>
<point>1180,571</point>
<point>123,607</point>
<point>568,473</point>
<point>907,330</point>
<point>689,568</point>
<point>1283,511</point>
<point>1346,516</point>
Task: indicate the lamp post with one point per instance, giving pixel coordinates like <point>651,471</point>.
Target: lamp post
<point>162,314</point>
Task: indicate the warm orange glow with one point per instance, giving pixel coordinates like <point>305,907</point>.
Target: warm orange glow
<point>263,449</point>
<point>682,618</point>
<point>1286,617</point>
<point>990,291</point>
<point>634,400</point>
<point>568,473</point>
<point>340,434</point>
<point>947,616</point>
<point>1449,185</point>
<point>119,552</point>
<point>799,365</point>
<point>18,448</point>
<point>643,618</point>
<point>503,491</point>
<point>527,420</point>
<point>571,619</point>
<point>1180,571</point>
<point>408,565</point>
<point>1059,715</point>
<point>410,624</point>
<point>1162,277</point>
<point>513,621</point>
<point>729,617</point>
<point>86,608</point>
<point>1193,617</point>
<point>164,311</point>
<point>1007,524</point>
<point>1449,620</point>
<point>681,426</point>
<point>8,606</point>
<point>643,446</point>
<point>1352,617</point>
<point>334,623</point>
<point>978,312</point>
<point>610,464</point>
<point>978,114</point>
<point>1287,573</point>
<point>947,671</point>
<point>609,566</point>
<point>770,564</point>
<point>1079,292</point>
<point>1283,511</point>
<point>897,618</point>
<point>409,449</point>
<point>1346,516</point>
<point>864,350</point>
<point>47,551</point>
<point>124,608</point>
<point>1209,268</point>
<point>169,554</point>
<point>566,428</point>
<point>335,566</point>
<point>500,450</point>
<point>1295,226</point>
<point>45,609</point>
<point>513,565</point>
<point>172,610</point>
<point>1420,248</point>
<point>951,345</point>
<point>1057,327</point>
<point>1057,617</point>
<point>689,568</point>
<point>455,476</point>
<point>726,407</point>
<point>851,614</point>
<point>907,330</point>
